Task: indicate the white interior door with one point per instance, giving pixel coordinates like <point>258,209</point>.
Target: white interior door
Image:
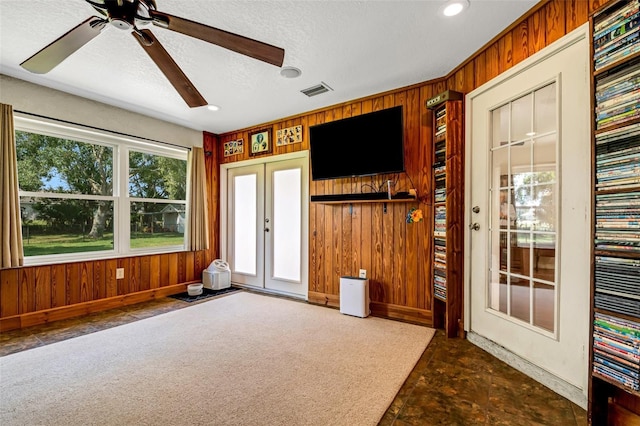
<point>245,212</point>
<point>528,184</point>
<point>286,236</point>
<point>267,232</point>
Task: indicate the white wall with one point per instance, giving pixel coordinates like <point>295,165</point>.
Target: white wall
<point>35,99</point>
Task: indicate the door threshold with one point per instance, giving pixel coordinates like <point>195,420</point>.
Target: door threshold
<point>269,292</point>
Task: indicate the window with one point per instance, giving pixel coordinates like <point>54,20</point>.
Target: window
<point>157,191</point>
<point>86,195</point>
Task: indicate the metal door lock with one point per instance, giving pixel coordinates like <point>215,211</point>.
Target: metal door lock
<point>474,226</point>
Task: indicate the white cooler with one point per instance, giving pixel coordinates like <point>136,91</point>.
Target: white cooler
<point>217,276</point>
<point>354,296</point>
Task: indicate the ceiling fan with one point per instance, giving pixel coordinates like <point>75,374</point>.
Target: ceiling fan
<point>128,15</point>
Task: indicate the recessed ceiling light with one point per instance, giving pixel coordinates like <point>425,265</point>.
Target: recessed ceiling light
<point>454,7</point>
<point>290,72</point>
<point>213,107</point>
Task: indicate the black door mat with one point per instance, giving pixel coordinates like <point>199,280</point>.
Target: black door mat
<point>206,293</point>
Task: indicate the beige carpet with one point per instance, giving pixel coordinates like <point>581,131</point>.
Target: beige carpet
<point>243,359</point>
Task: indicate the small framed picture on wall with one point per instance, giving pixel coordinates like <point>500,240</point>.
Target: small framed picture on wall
<point>260,142</point>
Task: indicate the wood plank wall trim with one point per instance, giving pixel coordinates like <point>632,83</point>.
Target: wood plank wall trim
<point>384,310</point>
<point>64,312</point>
<point>39,288</point>
<point>414,315</point>
<point>331,300</point>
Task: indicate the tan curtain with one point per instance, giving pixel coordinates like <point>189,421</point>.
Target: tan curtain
<point>10,226</point>
<point>199,214</point>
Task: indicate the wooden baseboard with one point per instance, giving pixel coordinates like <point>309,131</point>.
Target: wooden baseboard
<point>332,300</point>
<point>404,313</point>
<point>79,309</point>
<point>384,310</point>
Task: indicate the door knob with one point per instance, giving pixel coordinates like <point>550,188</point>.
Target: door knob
<point>266,229</point>
<point>474,226</point>
<point>476,209</point>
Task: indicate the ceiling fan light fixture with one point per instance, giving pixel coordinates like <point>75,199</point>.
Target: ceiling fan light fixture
<point>124,15</point>
<point>454,7</point>
<point>213,107</point>
<point>290,72</point>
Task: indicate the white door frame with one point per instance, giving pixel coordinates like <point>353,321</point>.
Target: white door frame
<point>224,217</point>
<point>578,396</point>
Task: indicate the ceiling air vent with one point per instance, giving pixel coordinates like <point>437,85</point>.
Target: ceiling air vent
<point>316,90</point>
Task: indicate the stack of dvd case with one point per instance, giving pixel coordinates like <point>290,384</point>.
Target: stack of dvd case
<point>618,222</point>
<point>616,210</point>
<point>440,210</point>
<point>616,285</point>
<point>440,221</point>
<point>618,158</point>
<point>617,176</point>
<point>617,34</point>
<point>616,353</point>
<point>618,96</point>
<point>441,124</point>
<point>440,269</point>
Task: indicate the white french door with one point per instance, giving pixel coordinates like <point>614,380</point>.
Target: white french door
<point>528,179</point>
<point>267,225</point>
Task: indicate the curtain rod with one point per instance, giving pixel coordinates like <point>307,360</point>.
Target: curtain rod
<point>101,129</point>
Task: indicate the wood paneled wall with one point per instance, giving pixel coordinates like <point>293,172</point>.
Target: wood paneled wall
<point>342,239</point>
<point>38,294</point>
<point>345,238</point>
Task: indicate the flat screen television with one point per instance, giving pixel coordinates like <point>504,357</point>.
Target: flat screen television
<point>363,145</point>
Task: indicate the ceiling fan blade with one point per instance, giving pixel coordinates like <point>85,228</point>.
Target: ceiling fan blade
<point>49,57</point>
<point>246,46</point>
<point>169,68</point>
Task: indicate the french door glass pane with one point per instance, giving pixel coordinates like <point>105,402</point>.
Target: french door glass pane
<point>500,125</point>
<point>543,306</point>
<point>521,117</point>
<point>520,298</point>
<point>287,224</point>
<point>545,107</point>
<point>245,231</point>
<point>523,208</point>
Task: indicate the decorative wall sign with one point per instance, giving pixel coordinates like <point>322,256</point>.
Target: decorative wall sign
<point>233,147</point>
<point>260,142</point>
<point>289,135</point>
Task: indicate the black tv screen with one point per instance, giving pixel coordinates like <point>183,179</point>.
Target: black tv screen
<point>363,145</point>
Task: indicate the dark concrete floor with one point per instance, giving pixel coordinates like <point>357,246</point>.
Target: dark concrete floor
<point>453,383</point>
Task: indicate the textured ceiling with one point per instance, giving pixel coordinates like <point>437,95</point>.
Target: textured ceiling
<point>358,48</point>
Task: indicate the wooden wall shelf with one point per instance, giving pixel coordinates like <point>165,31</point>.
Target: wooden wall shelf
<point>393,200</point>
